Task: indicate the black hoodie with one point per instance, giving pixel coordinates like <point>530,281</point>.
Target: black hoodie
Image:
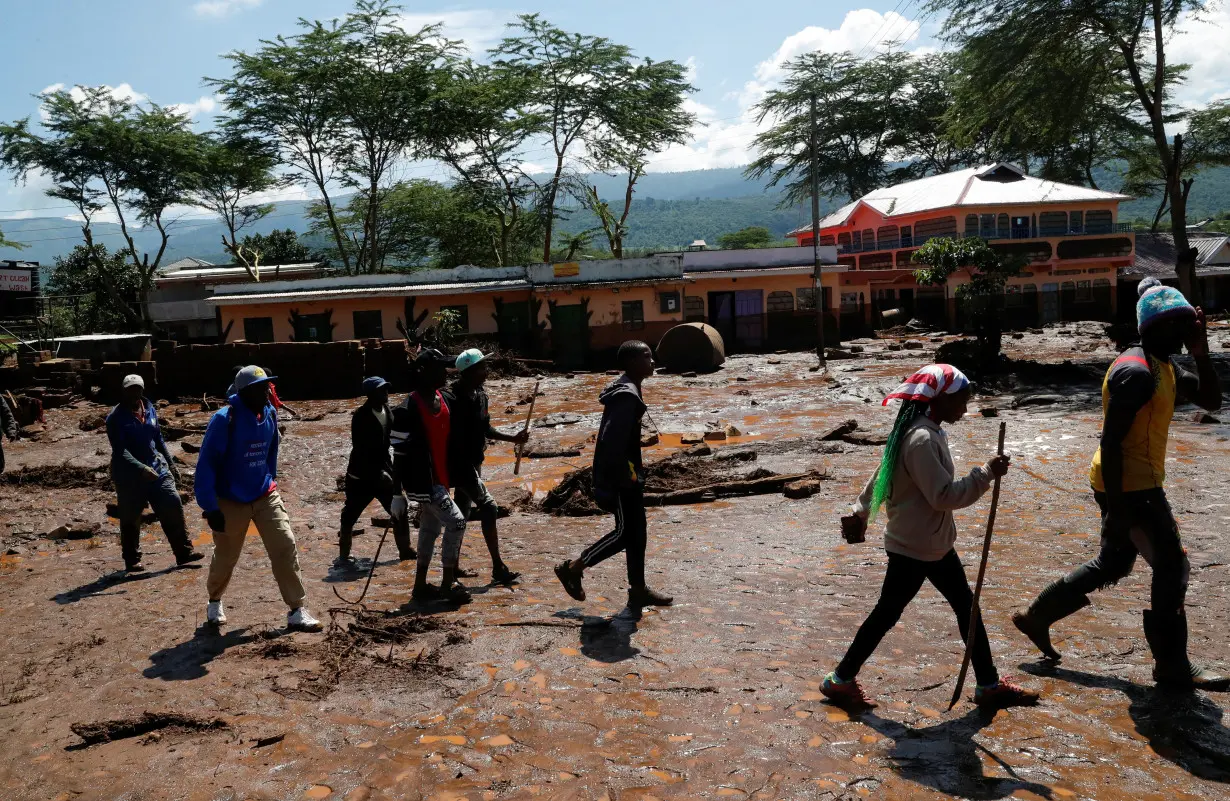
<point>617,454</point>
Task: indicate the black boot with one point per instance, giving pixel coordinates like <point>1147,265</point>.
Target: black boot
<point>344,538</point>
<point>401,536</point>
<point>1054,603</point>
<point>1172,670</point>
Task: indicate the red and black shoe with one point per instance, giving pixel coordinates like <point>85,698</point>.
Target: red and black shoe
<point>1004,693</point>
<point>848,695</point>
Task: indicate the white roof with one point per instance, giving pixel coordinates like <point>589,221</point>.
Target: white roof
<point>403,288</point>
<point>213,272</point>
<point>990,185</point>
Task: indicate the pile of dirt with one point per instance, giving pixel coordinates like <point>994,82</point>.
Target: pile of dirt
<point>60,476</point>
<point>108,730</point>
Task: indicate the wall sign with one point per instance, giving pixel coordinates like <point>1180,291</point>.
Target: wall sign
<point>15,280</point>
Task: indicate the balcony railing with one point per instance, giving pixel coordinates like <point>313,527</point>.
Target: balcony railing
<point>898,243</point>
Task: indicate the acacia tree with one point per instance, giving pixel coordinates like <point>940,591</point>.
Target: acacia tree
<point>89,276</point>
<point>646,115</point>
<point>982,295</point>
<point>571,79</point>
<point>1131,37</point>
<point>8,243</point>
<point>859,126</point>
<point>235,170</point>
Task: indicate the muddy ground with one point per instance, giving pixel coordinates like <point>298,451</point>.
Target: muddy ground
<point>525,693</point>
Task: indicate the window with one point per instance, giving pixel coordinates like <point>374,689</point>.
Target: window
<point>849,301</point>
<point>368,325</point>
<point>633,315</point>
<point>463,317</point>
<point>1084,292</point>
<point>1052,223</point>
<point>1005,230</point>
<point>694,308</point>
<point>939,226</point>
<point>1076,221</point>
<point>807,298</point>
<point>258,329</point>
<point>971,225</point>
<point>668,302</point>
<point>1098,222</point>
<point>843,240</point>
<point>827,240</point>
<point>869,239</point>
<point>780,302</point>
<point>986,226</point>
<point>858,240</point>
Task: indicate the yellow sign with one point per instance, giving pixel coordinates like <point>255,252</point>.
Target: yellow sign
<point>567,269</point>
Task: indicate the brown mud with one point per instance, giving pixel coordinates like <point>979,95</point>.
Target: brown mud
<point>524,693</point>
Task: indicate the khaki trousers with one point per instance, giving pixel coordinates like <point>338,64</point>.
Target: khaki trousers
<point>273,524</point>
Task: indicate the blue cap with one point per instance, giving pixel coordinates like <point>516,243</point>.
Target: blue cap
<point>373,384</point>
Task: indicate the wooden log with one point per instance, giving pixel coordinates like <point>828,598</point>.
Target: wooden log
<point>726,489</point>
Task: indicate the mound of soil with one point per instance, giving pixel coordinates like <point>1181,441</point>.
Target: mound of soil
<point>59,476</point>
<point>108,730</point>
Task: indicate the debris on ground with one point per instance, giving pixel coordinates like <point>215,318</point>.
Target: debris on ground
<point>75,531</point>
<point>550,452</point>
<point>59,476</point>
<point>557,419</point>
<point>108,730</point>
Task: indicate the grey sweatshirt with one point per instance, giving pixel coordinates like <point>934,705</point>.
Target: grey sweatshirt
<point>923,494</point>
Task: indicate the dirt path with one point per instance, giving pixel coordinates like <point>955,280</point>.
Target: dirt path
<point>524,693</point>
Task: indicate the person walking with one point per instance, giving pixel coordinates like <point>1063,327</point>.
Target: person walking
<point>469,429</point>
<point>144,473</point>
<point>8,427</point>
<point>420,465</point>
<point>1128,473</point>
<point>619,482</point>
<point>369,473</point>
<point>236,484</point>
<point>916,481</point>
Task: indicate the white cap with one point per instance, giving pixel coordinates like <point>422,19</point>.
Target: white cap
<point>133,380</point>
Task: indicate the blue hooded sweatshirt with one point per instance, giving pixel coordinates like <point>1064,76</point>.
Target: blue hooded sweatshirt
<point>239,456</point>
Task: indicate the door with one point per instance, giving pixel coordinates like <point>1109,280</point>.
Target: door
<point>513,323</point>
<point>313,327</point>
<point>569,334</point>
<point>722,316</point>
<point>1020,228</point>
<point>749,318</point>
<point>1049,303</point>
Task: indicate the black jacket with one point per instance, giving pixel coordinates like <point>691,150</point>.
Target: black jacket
<point>470,426</point>
<point>369,444</point>
<point>617,453</point>
<point>412,463</point>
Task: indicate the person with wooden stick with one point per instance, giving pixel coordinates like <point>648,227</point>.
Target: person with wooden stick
<point>619,482</point>
<point>1139,394</point>
<point>470,428</point>
<point>917,484</point>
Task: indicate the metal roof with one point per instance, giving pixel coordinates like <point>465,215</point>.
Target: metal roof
<point>404,288</point>
<point>990,185</point>
<point>1156,255</point>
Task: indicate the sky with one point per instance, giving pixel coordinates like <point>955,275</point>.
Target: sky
<point>162,50</point>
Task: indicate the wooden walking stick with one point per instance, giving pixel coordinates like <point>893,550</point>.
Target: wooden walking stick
<point>528,417</point>
<point>982,571</point>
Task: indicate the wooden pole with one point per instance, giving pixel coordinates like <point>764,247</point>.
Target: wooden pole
<point>528,417</point>
<point>817,283</point>
<point>982,571</point>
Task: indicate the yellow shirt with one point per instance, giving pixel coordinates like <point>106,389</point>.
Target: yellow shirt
<point>1144,447</point>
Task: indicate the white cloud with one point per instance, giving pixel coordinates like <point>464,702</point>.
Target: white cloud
<point>223,8</point>
<point>204,105</point>
<point>1200,40</point>
<point>480,30</point>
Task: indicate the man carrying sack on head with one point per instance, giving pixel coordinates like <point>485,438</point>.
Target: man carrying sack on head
<point>1139,394</point>
<point>143,473</point>
<point>236,484</point>
<point>369,473</point>
<point>470,428</point>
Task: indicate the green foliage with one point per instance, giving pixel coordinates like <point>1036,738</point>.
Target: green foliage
<point>574,243</point>
<point>982,295</point>
<point>234,169</point>
<point>83,285</point>
<point>447,323</point>
<point>275,248</point>
<point>754,236</point>
<point>8,243</point>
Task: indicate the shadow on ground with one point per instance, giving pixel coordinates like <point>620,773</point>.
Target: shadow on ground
<point>107,581</point>
<point>187,660</point>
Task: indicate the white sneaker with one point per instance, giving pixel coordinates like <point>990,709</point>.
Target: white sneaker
<point>214,613</point>
<point>301,620</point>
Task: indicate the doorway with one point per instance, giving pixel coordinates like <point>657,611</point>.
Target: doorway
<point>722,316</point>
<point>570,334</point>
<point>1049,308</point>
<point>1020,228</point>
<point>749,318</point>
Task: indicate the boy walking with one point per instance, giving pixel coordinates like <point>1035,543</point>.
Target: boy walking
<point>143,473</point>
<point>619,482</point>
<point>471,427</point>
<point>1139,394</point>
<point>421,427</point>
<point>369,473</point>
<point>236,484</point>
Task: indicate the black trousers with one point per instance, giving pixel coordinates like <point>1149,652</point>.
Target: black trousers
<point>163,497</point>
<point>359,493</point>
<point>902,581</point>
<point>629,534</point>
<point>1153,534</point>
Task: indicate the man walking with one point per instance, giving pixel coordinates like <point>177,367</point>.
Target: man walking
<point>8,427</point>
<point>470,428</point>
<point>236,484</point>
<point>1139,394</point>
<point>143,473</point>
<point>619,482</point>
<point>369,473</point>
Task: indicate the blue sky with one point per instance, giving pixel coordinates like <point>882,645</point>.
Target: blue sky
<point>161,49</point>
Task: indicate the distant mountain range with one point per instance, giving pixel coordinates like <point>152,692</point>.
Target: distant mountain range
<point>671,210</point>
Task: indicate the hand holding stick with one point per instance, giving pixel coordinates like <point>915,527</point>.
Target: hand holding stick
<point>982,570</point>
<point>528,418</point>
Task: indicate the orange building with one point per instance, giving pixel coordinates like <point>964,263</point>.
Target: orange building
<point>1069,236</point>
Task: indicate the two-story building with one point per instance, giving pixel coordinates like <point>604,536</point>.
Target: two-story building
<point>1068,236</point>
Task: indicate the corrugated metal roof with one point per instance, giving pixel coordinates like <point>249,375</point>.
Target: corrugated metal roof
<point>368,291</point>
<point>990,185</point>
<point>1156,255</point>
